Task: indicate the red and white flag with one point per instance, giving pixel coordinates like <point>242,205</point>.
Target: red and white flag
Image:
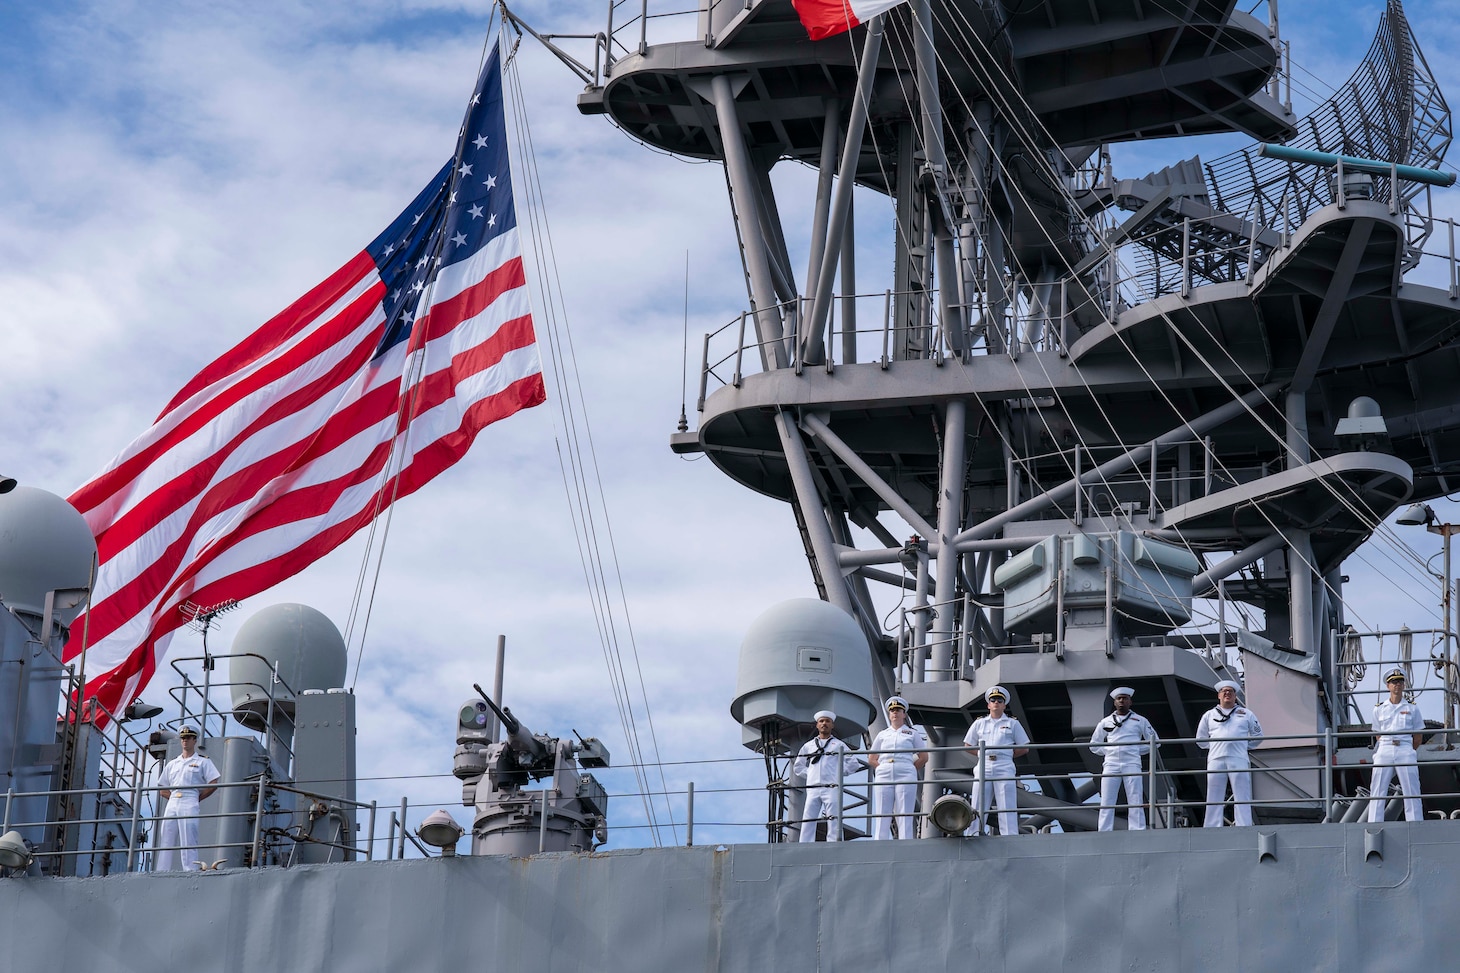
<point>823,18</point>
<point>358,394</point>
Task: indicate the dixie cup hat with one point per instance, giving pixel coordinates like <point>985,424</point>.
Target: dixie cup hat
<point>825,714</point>
<point>1227,684</point>
<point>1122,691</point>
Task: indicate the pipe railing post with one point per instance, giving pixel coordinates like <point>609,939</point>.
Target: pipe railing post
<point>255,853</point>
<point>370,838</point>
<point>1454,276</point>
<point>1328,774</point>
<point>705,374</point>
<point>136,811</point>
<point>739,352</point>
<point>689,815</point>
<point>982,785</point>
<point>1186,257</point>
<point>402,847</point>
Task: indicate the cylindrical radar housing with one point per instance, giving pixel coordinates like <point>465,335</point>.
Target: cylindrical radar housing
<point>45,545</point>
<point>308,648</point>
<point>799,657</point>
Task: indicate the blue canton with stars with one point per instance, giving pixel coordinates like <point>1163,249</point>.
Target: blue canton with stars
<point>465,206</point>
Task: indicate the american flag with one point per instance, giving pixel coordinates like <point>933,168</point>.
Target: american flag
<point>357,394</point>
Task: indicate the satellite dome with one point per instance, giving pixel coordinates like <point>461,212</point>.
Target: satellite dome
<point>306,645</point>
<point>799,657</point>
<point>45,545</point>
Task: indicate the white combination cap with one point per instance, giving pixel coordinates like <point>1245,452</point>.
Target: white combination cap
<point>897,701</point>
<point>996,691</point>
<point>1395,673</point>
<point>1122,691</point>
<point>1227,684</point>
<point>825,714</point>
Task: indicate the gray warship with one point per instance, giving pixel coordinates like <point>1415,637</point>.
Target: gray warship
<point>1102,429</point>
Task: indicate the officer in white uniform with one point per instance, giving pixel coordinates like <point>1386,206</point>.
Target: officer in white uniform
<point>184,782</point>
<point>897,756</point>
<point>818,762</point>
<point>1398,723</point>
<point>1123,763</point>
<point>1003,739</point>
<point>1227,758</point>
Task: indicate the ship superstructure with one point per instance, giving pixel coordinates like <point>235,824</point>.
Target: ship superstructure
<point>1090,400</point>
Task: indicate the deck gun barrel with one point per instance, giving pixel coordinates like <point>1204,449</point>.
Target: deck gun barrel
<point>519,737</point>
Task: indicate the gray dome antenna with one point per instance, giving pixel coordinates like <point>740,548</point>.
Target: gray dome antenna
<point>801,656</point>
<point>45,546</point>
<point>305,644</point>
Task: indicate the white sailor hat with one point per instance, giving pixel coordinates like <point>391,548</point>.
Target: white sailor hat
<point>998,691</point>
<point>896,701</point>
<point>1227,684</point>
<point>1122,691</point>
<point>1396,672</point>
<point>825,714</point>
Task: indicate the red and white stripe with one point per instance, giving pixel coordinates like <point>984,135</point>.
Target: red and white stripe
<point>284,447</point>
<point>823,18</point>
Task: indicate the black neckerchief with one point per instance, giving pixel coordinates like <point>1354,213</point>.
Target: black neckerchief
<point>1116,723</point>
<point>820,750</point>
<point>1222,719</point>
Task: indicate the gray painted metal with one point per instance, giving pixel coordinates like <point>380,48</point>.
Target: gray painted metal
<point>307,648</point>
<point>324,765</point>
<point>45,546</point>
<point>1295,897</point>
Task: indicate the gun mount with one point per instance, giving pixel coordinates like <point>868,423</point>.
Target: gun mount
<point>569,814</point>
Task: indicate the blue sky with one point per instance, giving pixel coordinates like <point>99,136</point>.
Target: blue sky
<point>175,173</point>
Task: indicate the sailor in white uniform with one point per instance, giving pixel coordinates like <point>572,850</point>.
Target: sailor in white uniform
<point>818,762</point>
<point>1122,763</point>
<point>1003,739</point>
<point>1398,723</point>
<point>897,756</point>
<point>184,782</point>
<point>1227,758</point>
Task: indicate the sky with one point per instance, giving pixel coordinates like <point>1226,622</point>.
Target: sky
<point>175,173</point>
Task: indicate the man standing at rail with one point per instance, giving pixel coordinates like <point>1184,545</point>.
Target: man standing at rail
<point>1398,723</point>
<point>187,780</point>
<point>825,762</point>
<point>1132,736</point>
<point>1224,734</point>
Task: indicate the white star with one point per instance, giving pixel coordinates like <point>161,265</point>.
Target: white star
<point>492,220</point>
<point>390,249</point>
<point>465,169</point>
<point>417,219</point>
<point>408,317</point>
<point>417,287</point>
<point>476,99</point>
<point>453,197</point>
<point>420,263</point>
<point>491,182</point>
<point>476,212</point>
<point>480,141</point>
<point>459,239</point>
